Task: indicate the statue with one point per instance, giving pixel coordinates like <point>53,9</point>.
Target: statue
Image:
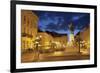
<point>71,34</point>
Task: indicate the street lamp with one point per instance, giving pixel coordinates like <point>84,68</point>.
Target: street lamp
<point>78,39</point>
<point>37,44</point>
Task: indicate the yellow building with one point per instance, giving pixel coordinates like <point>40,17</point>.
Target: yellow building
<point>46,38</point>
<point>61,39</point>
<point>85,44</point>
<point>85,35</point>
<point>29,23</point>
<point>52,42</point>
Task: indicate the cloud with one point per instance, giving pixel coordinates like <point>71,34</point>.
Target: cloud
<point>58,21</point>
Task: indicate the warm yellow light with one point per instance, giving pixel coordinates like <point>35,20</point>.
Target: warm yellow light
<point>58,53</point>
<point>71,37</point>
<point>46,47</point>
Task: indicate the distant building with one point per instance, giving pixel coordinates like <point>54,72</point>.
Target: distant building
<point>84,41</point>
<point>85,34</point>
<point>29,23</point>
<point>46,38</point>
<point>62,39</point>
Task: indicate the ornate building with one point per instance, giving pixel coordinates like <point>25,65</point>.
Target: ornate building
<point>46,38</point>
<point>83,40</point>
<point>85,43</point>
<point>29,23</point>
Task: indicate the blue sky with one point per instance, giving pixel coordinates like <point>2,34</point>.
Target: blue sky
<point>58,21</point>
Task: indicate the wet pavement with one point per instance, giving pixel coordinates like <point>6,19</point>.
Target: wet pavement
<point>57,56</point>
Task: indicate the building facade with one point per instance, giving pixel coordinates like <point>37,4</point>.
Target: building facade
<point>85,43</point>
<point>29,23</point>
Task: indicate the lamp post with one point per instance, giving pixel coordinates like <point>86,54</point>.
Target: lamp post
<point>78,39</point>
<point>36,44</point>
<point>79,42</point>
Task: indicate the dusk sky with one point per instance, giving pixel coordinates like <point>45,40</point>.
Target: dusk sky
<point>58,21</point>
